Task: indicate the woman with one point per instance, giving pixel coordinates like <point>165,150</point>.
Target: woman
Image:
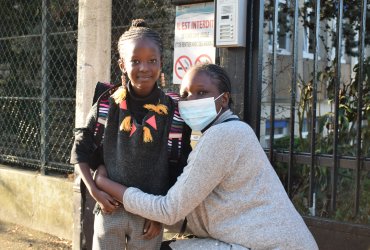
<point>229,192</point>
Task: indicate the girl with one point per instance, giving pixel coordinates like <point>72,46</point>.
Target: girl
<point>229,192</point>
<point>137,134</point>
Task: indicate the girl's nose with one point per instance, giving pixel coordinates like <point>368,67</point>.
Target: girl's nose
<point>143,66</point>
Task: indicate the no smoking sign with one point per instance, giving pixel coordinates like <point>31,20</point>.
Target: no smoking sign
<point>183,63</point>
<point>204,58</point>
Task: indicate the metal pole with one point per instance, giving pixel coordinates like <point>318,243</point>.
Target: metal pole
<point>253,59</point>
<point>314,102</point>
<point>44,85</point>
<point>334,174</point>
<point>293,95</point>
<point>361,50</point>
<point>273,78</point>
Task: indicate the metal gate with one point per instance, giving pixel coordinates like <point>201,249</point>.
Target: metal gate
<point>315,111</point>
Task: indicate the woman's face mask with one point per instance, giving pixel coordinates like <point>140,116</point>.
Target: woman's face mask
<point>199,113</point>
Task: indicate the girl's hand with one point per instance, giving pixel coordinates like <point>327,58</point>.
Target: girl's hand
<point>151,229</point>
<point>106,202</point>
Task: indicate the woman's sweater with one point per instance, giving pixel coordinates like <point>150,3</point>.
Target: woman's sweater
<point>230,192</point>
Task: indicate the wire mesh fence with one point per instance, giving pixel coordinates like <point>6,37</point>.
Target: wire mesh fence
<point>38,43</point>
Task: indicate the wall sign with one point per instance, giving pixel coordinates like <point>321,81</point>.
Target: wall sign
<point>194,37</point>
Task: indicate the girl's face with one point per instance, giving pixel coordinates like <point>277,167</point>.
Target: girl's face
<point>198,85</point>
<point>142,62</point>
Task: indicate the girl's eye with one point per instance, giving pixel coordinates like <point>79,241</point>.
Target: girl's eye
<point>202,93</point>
<point>153,61</point>
<point>135,61</point>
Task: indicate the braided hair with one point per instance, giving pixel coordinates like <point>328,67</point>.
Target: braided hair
<point>137,31</point>
<point>217,74</point>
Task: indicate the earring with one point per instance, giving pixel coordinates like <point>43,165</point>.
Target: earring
<point>163,80</point>
<point>123,80</point>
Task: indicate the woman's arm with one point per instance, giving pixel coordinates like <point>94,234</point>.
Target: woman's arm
<point>207,166</point>
<point>113,188</point>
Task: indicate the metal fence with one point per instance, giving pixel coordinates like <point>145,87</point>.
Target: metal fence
<point>315,104</point>
<point>38,44</point>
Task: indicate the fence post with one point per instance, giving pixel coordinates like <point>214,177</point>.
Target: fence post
<point>44,84</point>
<point>93,64</point>
<point>93,52</point>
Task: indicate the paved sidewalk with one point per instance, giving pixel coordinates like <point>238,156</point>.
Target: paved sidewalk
<point>18,238</point>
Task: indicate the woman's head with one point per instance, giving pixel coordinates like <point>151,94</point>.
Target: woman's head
<point>207,80</point>
<point>205,94</point>
<point>140,50</point>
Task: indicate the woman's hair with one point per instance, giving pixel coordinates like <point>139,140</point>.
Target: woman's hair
<point>139,30</point>
<point>217,74</point>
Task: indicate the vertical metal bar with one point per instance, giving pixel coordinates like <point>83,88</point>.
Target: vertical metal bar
<point>44,85</point>
<point>254,55</point>
<point>217,56</point>
<point>248,88</point>
<point>293,94</point>
<point>258,20</point>
<point>314,100</point>
<point>334,174</point>
<point>273,77</point>
<point>359,103</point>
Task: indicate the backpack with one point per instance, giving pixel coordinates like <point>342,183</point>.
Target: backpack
<point>174,144</point>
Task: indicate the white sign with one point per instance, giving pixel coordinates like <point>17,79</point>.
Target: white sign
<point>194,37</point>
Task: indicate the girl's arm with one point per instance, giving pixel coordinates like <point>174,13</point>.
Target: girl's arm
<point>81,153</point>
<point>106,202</point>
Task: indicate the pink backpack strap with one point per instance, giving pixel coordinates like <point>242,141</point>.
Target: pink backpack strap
<point>176,131</point>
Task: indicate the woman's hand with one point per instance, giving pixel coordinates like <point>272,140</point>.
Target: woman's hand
<point>151,229</point>
<point>106,202</point>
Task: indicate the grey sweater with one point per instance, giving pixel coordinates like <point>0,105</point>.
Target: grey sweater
<point>230,192</point>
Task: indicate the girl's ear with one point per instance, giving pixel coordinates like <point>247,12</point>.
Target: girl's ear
<point>121,64</point>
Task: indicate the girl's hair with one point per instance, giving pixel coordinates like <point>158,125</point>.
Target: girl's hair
<point>139,30</point>
<point>217,74</point>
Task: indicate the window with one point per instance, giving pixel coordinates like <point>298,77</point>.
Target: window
<point>308,39</point>
<point>283,29</point>
<point>280,128</point>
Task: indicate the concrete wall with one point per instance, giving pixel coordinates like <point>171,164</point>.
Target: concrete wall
<point>43,203</point>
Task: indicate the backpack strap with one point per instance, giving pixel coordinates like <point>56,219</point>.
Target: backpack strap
<point>102,92</point>
<point>174,144</point>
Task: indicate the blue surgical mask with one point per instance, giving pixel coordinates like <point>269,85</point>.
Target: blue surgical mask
<point>199,113</point>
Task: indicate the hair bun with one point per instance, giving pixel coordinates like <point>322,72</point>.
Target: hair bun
<point>138,23</point>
